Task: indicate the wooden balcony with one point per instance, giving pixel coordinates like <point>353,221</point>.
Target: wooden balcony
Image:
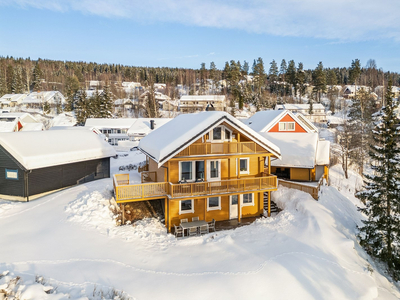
<point>124,192</point>
<point>221,148</point>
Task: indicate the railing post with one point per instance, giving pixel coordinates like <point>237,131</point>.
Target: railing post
<point>142,191</point>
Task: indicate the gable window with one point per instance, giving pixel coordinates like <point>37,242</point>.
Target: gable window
<point>186,206</point>
<point>217,133</point>
<point>213,203</point>
<point>248,199</point>
<point>221,133</point>
<point>286,126</point>
<point>244,165</point>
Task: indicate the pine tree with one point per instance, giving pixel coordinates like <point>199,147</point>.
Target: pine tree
<point>273,76</point>
<point>71,88</point>
<point>245,68</point>
<point>380,235</point>
<point>106,104</point>
<point>291,76</point>
<point>81,108</point>
<point>37,76</point>
<point>213,75</point>
<point>301,80</point>
<point>3,84</point>
<point>46,108</point>
<point>319,80</point>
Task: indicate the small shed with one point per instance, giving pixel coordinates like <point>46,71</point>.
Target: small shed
<point>36,162</point>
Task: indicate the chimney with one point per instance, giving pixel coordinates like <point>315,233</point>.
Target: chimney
<point>152,124</point>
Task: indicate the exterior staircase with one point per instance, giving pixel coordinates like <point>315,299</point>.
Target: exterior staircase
<point>274,207</point>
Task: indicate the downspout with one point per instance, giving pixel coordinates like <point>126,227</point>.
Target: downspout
<point>166,208</point>
<point>27,184</point>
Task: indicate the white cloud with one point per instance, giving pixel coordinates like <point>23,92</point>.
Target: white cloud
<point>329,19</point>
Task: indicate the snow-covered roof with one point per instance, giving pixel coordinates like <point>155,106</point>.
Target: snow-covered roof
<point>32,127</point>
<point>40,149</point>
<point>298,150</point>
<point>24,117</point>
<point>64,119</point>
<point>8,126</point>
<point>31,99</point>
<point>142,125</point>
<point>261,119</point>
<point>110,123</point>
<point>185,129</point>
<point>12,97</point>
<point>203,98</point>
<point>323,153</point>
<point>306,122</point>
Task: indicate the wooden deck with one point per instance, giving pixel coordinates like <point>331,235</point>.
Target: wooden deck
<point>305,187</point>
<point>222,148</point>
<point>125,192</point>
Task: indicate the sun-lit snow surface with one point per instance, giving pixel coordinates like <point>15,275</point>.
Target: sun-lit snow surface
<point>308,251</point>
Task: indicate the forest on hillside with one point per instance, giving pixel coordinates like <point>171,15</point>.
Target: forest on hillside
<point>19,75</point>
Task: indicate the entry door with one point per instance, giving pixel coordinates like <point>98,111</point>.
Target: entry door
<point>233,206</point>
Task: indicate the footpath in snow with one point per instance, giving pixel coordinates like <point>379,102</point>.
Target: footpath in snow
<point>69,239</point>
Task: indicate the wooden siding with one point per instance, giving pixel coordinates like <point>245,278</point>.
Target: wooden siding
<point>287,118</point>
<point>53,178</point>
<point>11,187</point>
<point>200,210</point>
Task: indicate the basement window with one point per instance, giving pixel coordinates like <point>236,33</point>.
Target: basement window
<point>214,203</point>
<point>186,206</point>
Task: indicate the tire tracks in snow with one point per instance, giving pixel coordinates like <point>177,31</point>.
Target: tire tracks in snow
<point>226,273</point>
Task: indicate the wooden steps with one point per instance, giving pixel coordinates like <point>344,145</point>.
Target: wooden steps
<point>274,207</point>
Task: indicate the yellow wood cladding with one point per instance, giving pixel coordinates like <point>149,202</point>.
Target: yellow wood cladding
<point>238,162</point>
<point>200,210</point>
<point>124,191</point>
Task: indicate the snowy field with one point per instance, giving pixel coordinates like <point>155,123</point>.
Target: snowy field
<point>68,241</point>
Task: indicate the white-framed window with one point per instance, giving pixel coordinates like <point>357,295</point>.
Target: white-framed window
<point>244,165</point>
<point>286,126</point>
<point>191,170</point>
<point>186,206</point>
<point>213,203</point>
<point>214,170</point>
<point>12,174</point>
<point>221,133</point>
<point>248,199</point>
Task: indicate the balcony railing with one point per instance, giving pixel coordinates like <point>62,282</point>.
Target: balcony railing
<point>124,191</point>
<point>221,148</point>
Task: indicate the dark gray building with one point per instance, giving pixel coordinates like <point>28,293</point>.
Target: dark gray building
<point>37,162</point>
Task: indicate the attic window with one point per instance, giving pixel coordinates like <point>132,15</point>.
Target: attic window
<point>286,126</point>
<point>221,133</point>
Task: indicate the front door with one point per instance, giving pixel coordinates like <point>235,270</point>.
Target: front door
<point>233,206</point>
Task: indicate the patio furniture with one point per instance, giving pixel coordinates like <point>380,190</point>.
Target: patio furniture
<point>195,219</point>
<point>211,225</point>
<point>192,231</point>
<point>184,221</point>
<point>178,231</point>
<point>188,225</point>
<point>204,229</point>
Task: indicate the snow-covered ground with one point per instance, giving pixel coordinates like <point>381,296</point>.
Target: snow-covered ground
<point>307,251</point>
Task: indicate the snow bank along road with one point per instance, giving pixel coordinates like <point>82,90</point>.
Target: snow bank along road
<point>308,251</point>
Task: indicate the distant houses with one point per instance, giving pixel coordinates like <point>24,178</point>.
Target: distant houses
<point>193,103</point>
<point>317,114</point>
<point>13,122</point>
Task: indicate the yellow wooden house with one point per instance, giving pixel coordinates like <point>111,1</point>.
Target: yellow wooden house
<point>207,165</point>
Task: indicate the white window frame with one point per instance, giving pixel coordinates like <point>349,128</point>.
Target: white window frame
<point>181,212</point>
<point>193,170</point>
<point>223,139</point>
<point>209,170</point>
<point>285,126</point>
<point>247,204</point>
<point>216,207</point>
<point>248,165</point>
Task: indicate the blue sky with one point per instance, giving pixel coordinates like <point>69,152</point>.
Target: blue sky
<point>182,33</point>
